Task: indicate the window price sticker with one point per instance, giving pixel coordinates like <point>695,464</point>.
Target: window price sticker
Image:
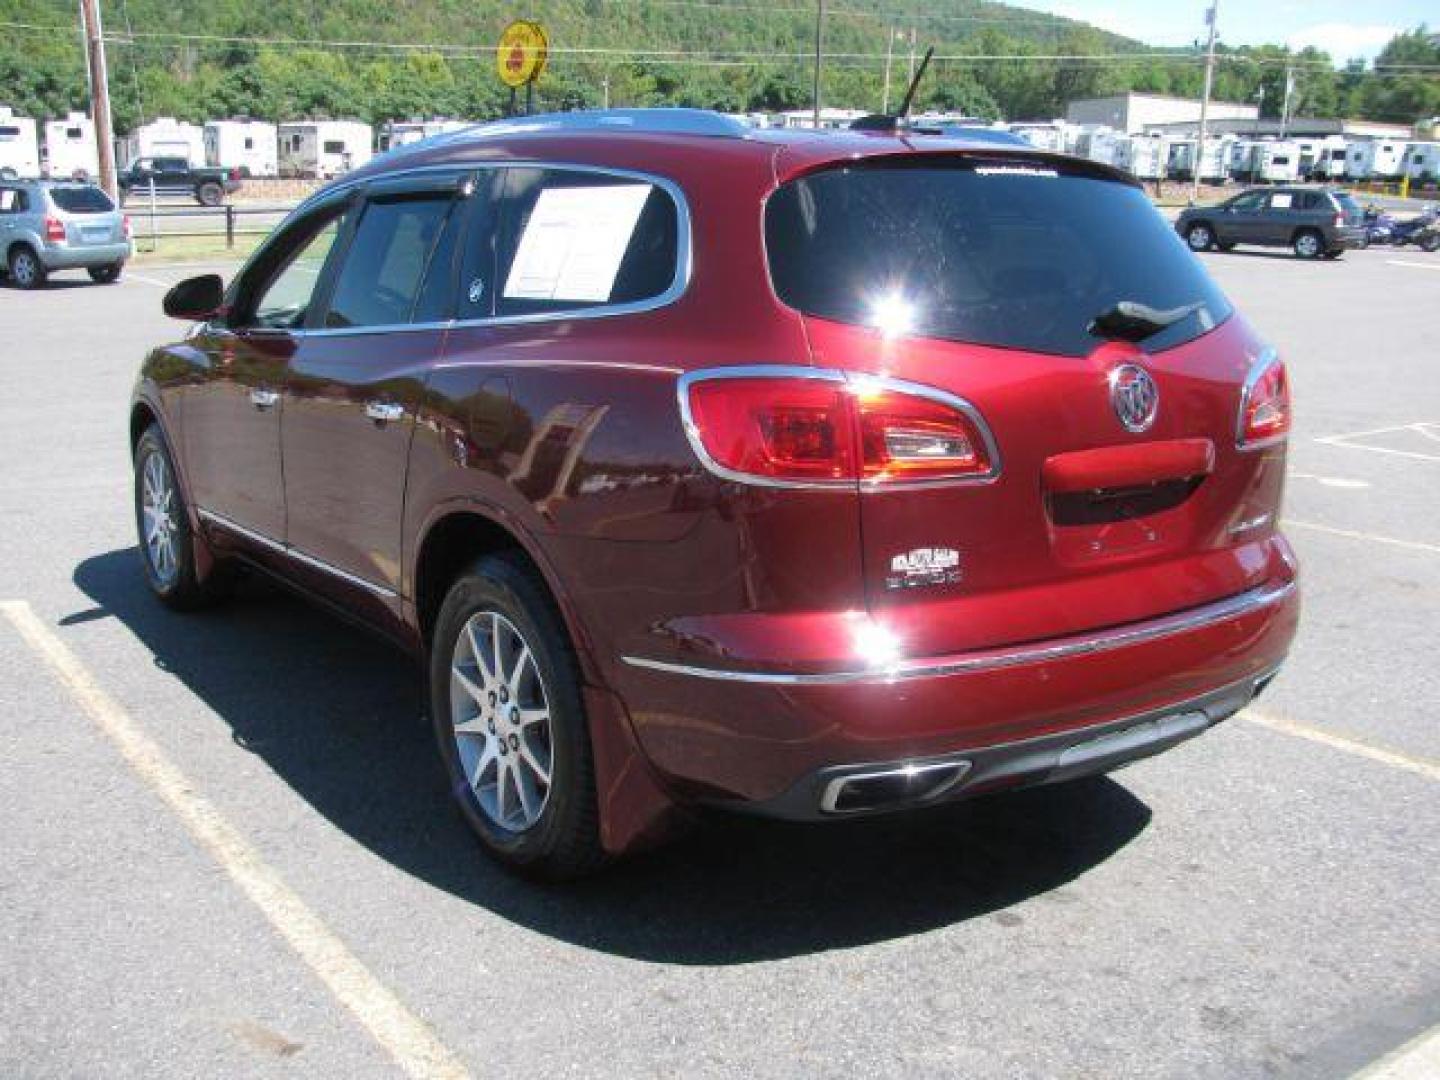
<point>574,242</point>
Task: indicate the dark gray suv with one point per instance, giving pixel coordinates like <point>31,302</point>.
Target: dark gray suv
<point>1312,222</point>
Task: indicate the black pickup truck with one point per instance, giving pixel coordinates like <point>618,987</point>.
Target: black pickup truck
<point>176,176</point>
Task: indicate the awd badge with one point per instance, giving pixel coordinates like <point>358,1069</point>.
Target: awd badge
<point>924,566</point>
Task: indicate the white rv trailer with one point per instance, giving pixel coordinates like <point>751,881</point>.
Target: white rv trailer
<point>324,149</point>
<point>1422,161</point>
<point>70,149</point>
<point>1214,169</point>
<point>166,137</point>
<point>1264,161</point>
<point>246,145</point>
<point>398,133</point>
<point>19,149</point>
<point>1145,157</point>
<point>1098,144</point>
<point>1330,161</point>
<point>1375,159</point>
<point>1056,135</point>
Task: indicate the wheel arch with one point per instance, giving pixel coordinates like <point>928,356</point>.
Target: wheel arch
<point>463,532</point>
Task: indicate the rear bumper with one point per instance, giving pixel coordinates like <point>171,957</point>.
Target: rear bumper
<point>1347,238</point>
<point>77,258</point>
<point>773,739</point>
<point>879,787</point>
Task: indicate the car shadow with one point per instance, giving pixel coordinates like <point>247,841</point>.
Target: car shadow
<point>338,716</point>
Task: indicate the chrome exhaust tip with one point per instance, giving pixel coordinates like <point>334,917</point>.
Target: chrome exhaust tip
<point>891,787</point>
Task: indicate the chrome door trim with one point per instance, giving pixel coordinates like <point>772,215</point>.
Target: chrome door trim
<point>295,553</point>
<point>997,659</point>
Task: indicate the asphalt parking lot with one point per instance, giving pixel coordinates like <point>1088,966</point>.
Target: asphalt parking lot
<point>227,848</point>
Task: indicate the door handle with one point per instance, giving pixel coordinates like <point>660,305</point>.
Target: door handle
<point>262,398</point>
<point>384,411</point>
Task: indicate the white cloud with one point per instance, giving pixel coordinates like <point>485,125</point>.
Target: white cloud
<point>1344,41</point>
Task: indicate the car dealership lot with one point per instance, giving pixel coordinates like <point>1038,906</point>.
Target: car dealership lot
<point>228,848</point>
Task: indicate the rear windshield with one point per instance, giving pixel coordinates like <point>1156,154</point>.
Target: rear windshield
<point>1012,254</point>
<point>81,200</point>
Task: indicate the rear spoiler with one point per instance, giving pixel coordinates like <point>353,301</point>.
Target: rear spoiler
<point>935,151</point>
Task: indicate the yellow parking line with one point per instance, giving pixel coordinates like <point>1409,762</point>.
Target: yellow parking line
<point>1420,766</point>
<point>402,1034</point>
<point>1350,534</point>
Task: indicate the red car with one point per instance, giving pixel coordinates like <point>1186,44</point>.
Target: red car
<point>813,475</point>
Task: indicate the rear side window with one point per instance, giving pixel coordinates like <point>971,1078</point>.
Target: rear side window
<point>81,200</point>
<point>1008,253</point>
<point>379,281</point>
<point>12,201</point>
<point>574,240</point>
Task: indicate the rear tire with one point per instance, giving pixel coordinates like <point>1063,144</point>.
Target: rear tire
<point>210,194</point>
<point>1430,243</point>
<point>510,722</point>
<point>106,275</point>
<point>1333,255</point>
<point>167,545</point>
<point>1308,244</point>
<point>1200,237</point>
<point>26,269</point>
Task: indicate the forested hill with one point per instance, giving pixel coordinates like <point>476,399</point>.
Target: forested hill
<point>281,59</point>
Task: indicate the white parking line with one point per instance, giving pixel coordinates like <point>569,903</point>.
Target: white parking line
<point>1351,534</point>
<point>1420,766</point>
<point>130,275</point>
<point>402,1034</point>
<point>1413,265</point>
<point>1332,481</point>
<point>1419,1059</point>
<point>1348,442</point>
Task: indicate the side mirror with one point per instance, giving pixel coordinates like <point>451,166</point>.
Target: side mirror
<point>196,299</point>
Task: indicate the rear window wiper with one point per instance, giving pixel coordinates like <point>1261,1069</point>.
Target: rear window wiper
<point>1130,320</point>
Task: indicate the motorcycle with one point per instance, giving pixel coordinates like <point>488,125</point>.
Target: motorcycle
<point>1423,231</point>
<point>1379,226</point>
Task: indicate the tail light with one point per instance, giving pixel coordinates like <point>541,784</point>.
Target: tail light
<point>235,175</point>
<point>54,230</point>
<point>1265,402</point>
<point>126,227</point>
<point>1339,221</point>
<point>802,427</point>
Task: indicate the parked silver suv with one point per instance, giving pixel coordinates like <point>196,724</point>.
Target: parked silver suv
<point>47,226</point>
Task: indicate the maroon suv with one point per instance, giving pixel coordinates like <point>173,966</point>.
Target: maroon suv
<point>811,474</point>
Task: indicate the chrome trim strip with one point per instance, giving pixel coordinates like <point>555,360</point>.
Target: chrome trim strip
<point>857,382</point>
<point>1104,641</point>
<point>295,553</point>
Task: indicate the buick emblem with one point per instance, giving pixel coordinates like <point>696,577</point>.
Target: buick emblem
<point>1134,396</point>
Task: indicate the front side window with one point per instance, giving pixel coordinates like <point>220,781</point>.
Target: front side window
<point>572,240</point>
<point>286,281</point>
<point>379,281</point>
<point>1011,253</point>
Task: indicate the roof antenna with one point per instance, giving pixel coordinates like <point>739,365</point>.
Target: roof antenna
<point>900,119</point>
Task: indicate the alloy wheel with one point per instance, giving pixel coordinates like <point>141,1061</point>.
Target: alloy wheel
<point>25,269</point>
<point>500,714</point>
<point>1199,238</point>
<point>1307,246</point>
<point>157,501</point>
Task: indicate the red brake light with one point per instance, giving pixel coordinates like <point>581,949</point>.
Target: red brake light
<point>54,229</point>
<point>1265,402</point>
<point>126,226</point>
<point>800,427</point>
<point>1339,221</point>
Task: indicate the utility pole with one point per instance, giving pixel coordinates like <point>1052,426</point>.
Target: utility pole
<point>819,52</point>
<point>1285,107</point>
<point>1211,17</point>
<point>99,93</point>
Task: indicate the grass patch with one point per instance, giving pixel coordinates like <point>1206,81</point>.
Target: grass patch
<point>192,248</point>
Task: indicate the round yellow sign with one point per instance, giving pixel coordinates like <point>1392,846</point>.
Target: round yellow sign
<point>520,56</point>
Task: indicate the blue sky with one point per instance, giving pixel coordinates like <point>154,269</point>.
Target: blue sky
<point>1343,28</point>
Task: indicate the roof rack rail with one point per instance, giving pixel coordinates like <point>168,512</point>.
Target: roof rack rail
<point>658,121</point>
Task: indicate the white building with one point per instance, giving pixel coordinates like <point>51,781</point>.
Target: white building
<point>19,149</point>
<point>1422,161</point>
<point>166,137</point>
<point>247,145</point>
<point>398,133</point>
<point>324,148</point>
<point>1131,113</point>
<point>1375,159</point>
<point>70,149</point>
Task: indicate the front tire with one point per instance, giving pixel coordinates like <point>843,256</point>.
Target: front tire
<point>1200,237</point>
<point>510,722</point>
<point>105,275</point>
<point>167,545</point>
<point>1308,244</point>
<point>26,269</point>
